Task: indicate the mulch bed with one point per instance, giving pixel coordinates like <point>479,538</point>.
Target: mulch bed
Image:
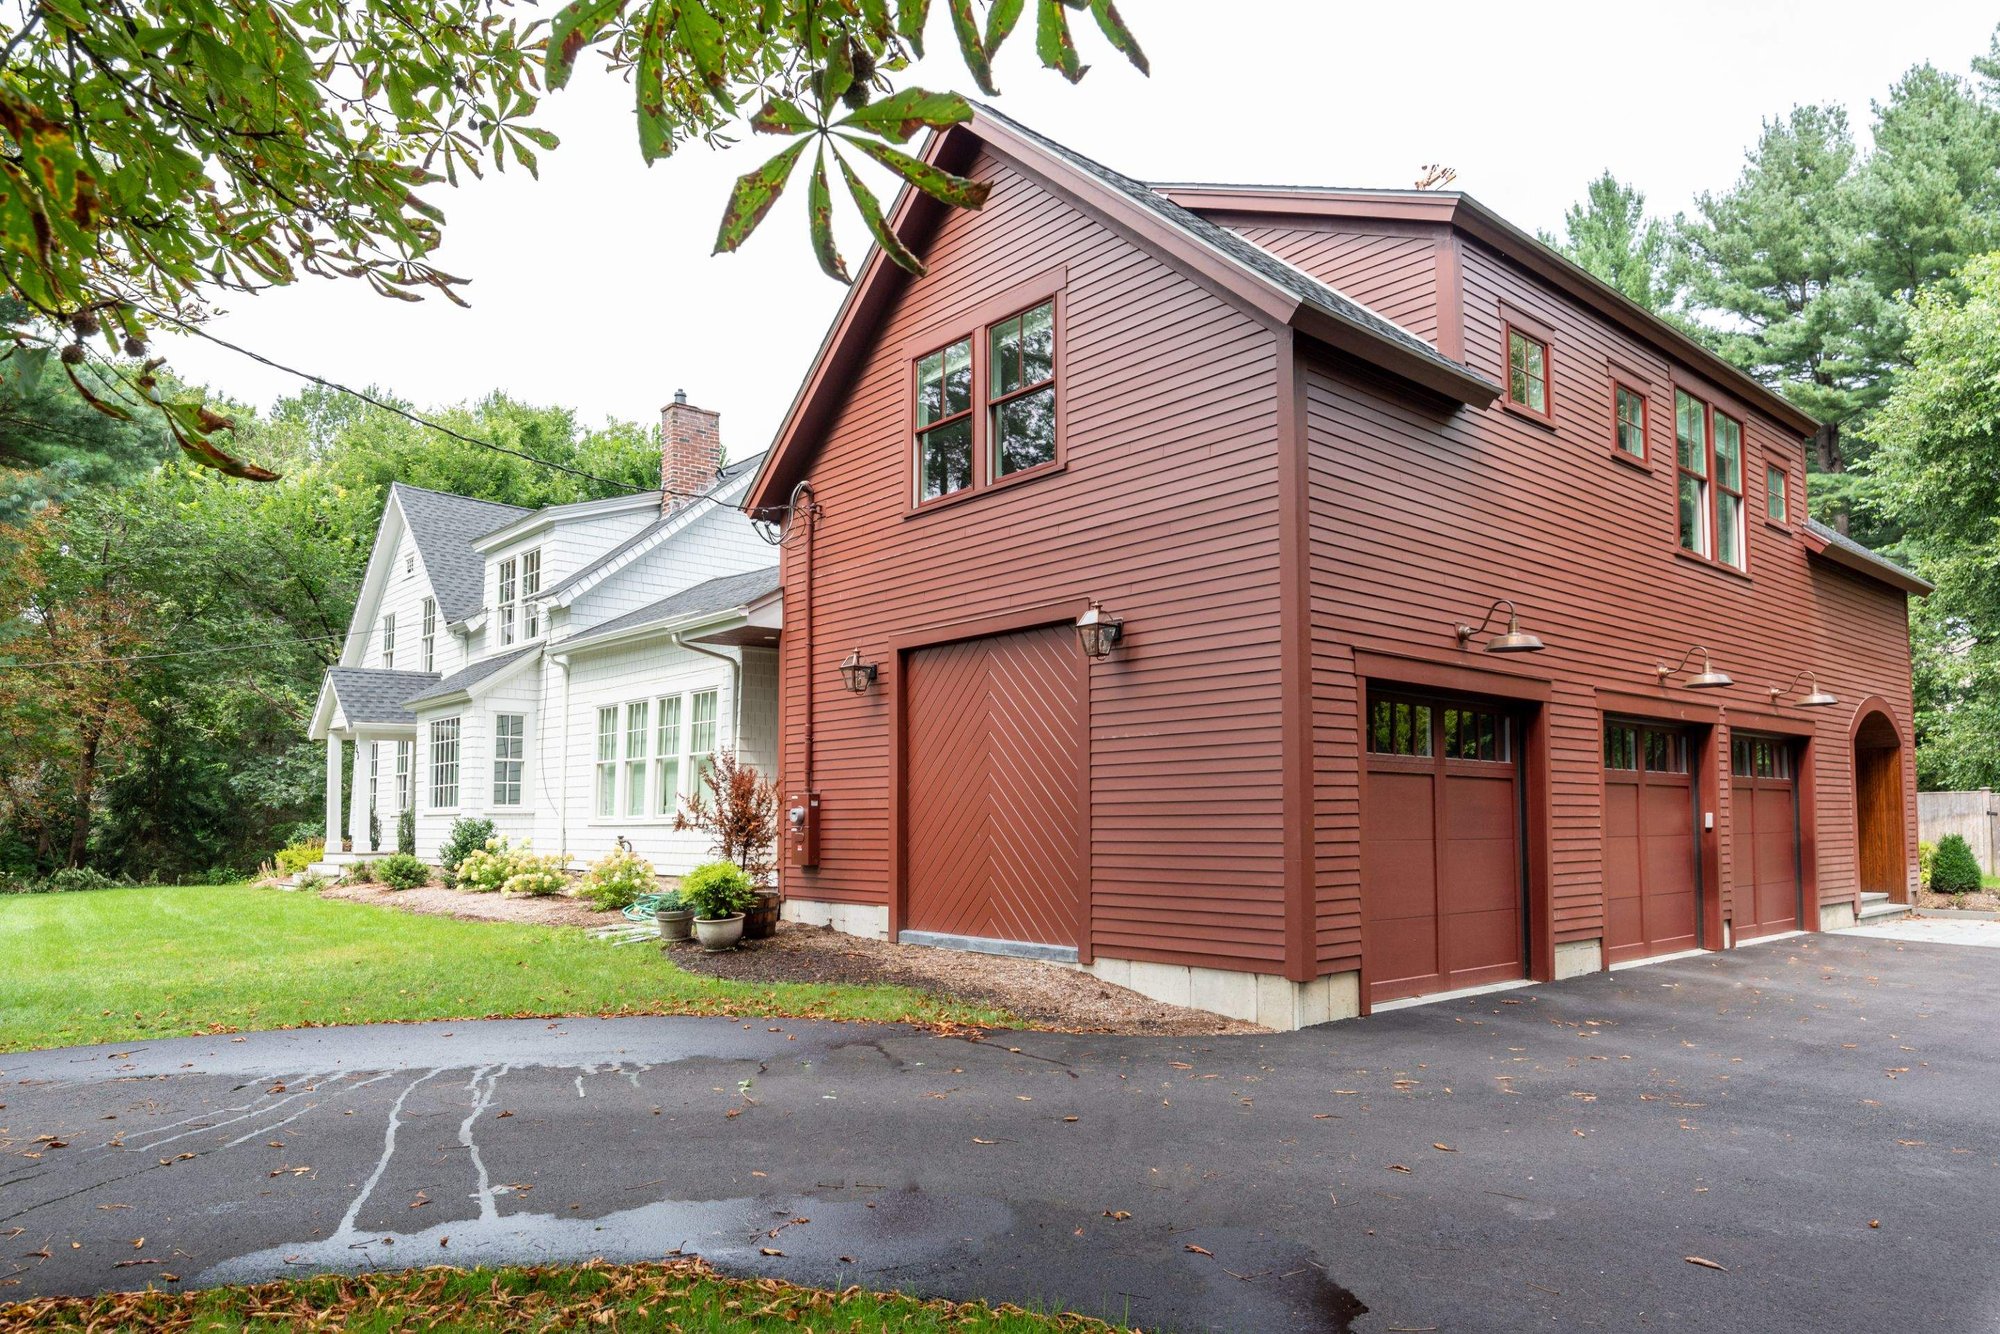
<point>1985,900</point>
<point>437,901</point>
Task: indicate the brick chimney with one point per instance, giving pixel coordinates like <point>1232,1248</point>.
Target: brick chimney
<point>690,450</point>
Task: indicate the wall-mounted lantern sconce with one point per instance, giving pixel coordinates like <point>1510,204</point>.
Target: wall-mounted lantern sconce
<point>1813,699</point>
<point>1513,640</point>
<point>856,674</point>
<point>1706,679</point>
<point>1097,633</point>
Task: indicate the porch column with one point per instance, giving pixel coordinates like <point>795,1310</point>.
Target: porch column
<point>357,801</point>
<point>332,794</point>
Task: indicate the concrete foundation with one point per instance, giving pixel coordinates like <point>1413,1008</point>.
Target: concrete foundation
<point>1836,916</point>
<point>855,919</point>
<point>1260,998</point>
<point>1574,958</point>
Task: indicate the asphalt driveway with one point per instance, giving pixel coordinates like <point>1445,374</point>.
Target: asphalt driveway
<point>1819,1117</point>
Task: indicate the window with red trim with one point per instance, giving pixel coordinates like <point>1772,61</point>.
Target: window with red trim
<point>944,421</point>
<point>1527,372</point>
<point>1776,506</point>
<point>1629,409</point>
<point>1708,459</point>
<point>986,405</point>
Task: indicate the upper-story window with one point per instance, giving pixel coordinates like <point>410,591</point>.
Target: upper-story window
<point>1527,372</point>
<point>389,640</point>
<point>1709,462</point>
<point>531,584</point>
<point>509,586</point>
<point>409,563</point>
<point>430,634</point>
<point>1777,504</point>
<point>1630,421</point>
<point>510,757</point>
<point>986,404</point>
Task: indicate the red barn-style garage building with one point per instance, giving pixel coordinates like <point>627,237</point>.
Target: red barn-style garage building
<point>1451,621</point>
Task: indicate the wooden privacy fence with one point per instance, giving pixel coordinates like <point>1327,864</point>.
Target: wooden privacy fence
<point>1975,816</point>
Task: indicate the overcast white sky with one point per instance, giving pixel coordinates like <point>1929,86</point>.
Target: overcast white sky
<point>594,287</point>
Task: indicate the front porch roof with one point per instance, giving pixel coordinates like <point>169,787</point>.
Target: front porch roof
<point>353,697</point>
<point>484,673</point>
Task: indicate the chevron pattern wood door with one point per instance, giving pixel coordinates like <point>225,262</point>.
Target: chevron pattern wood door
<point>994,795</point>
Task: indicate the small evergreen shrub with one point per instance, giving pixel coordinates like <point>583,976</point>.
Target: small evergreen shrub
<point>1926,854</point>
<point>1954,870</point>
<point>617,880</point>
<point>406,832</point>
<point>535,877</point>
<point>486,869</point>
<point>717,889</point>
<point>467,836</point>
<point>399,870</point>
<point>295,857</point>
<point>361,873</point>
<point>310,882</point>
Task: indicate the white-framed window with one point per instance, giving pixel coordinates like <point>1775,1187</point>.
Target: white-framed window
<point>430,634</point>
<point>531,585</point>
<point>403,749</point>
<point>510,756</point>
<point>444,764</point>
<point>374,788</point>
<point>606,804</point>
<point>409,564</point>
<point>701,736</point>
<point>637,728</point>
<point>389,640</point>
<point>508,589</point>
<point>667,758</point>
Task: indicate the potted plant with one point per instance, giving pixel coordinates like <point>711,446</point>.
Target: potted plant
<point>718,893</point>
<point>761,921</point>
<point>674,917</point>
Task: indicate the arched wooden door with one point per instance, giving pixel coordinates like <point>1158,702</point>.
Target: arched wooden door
<point>1879,829</point>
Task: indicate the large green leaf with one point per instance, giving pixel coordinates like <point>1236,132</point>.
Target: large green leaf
<point>752,197</point>
<point>970,46</point>
<point>901,114</point>
<point>1000,21</point>
<point>939,184</point>
<point>656,129</point>
<point>780,116</point>
<point>576,26</point>
<point>910,18</point>
<point>819,207</point>
<point>1053,42</point>
<point>871,213</point>
<point>701,35</point>
<point>1113,26</point>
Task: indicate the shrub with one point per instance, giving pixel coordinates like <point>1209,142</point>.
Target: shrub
<point>361,873</point>
<point>1926,853</point>
<point>75,879</point>
<point>618,880</point>
<point>486,869</point>
<point>374,829</point>
<point>399,870</point>
<point>295,857</point>
<point>740,811</point>
<point>717,889</point>
<point>406,832</point>
<point>467,836</point>
<point>1954,870</point>
<point>311,882</point>
<point>535,877</point>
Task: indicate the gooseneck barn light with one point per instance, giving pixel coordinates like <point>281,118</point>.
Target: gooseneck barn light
<point>1097,633</point>
<point>856,674</point>
<point>1705,679</point>
<point>1813,699</point>
<point>1513,640</point>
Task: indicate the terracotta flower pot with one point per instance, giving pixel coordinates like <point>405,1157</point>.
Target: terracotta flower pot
<point>677,924</point>
<point>717,934</point>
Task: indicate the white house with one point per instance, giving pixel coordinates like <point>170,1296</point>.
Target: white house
<point>564,672</point>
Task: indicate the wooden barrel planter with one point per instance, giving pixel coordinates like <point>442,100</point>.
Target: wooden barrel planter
<point>761,922</point>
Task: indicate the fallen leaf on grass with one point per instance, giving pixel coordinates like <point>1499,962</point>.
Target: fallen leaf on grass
<point>1705,1264</point>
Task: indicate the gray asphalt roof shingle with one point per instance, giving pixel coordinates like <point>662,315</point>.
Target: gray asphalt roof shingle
<point>445,527</point>
<point>471,676</point>
<point>731,590</point>
<point>372,695</point>
<point>1839,539</point>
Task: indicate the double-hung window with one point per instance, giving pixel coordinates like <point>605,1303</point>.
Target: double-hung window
<point>667,758</point>
<point>444,764</point>
<point>606,803</point>
<point>986,403</point>
<point>1021,390</point>
<point>1776,503</point>
<point>1629,421</point>
<point>1527,372</point>
<point>944,421</point>
<point>701,739</point>
<point>389,640</point>
<point>430,634</point>
<point>1709,468</point>
<point>510,757</point>
<point>531,585</point>
<point>403,757</point>
<point>508,588</point>
<point>637,730</point>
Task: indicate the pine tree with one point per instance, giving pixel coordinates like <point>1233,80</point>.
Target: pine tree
<point>1608,234</point>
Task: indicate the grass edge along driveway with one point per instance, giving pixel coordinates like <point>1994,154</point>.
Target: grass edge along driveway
<point>122,965</point>
<point>681,1295</point>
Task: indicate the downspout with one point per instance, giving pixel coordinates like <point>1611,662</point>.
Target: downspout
<point>562,782</point>
<point>735,688</point>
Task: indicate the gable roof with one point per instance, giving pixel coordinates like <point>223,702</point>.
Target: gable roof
<point>565,590</point>
<point>1211,254</point>
<point>444,527</point>
<point>376,695</point>
<point>1836,547</point>
<point>462,682</point>
<point>726,593</point>
<point>549,516</point>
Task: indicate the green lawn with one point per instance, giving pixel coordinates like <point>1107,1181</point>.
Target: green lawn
<point>122,964</point>
<point>679,1297</point>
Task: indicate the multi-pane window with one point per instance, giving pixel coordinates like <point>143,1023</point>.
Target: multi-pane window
<point>403,758</point>
<point>1631,421</point>
<point>1691,460</point>
<point>444,764</point>
<point>1629,748</point>
<point>606,804</point>
<point>1760,757</point>
<point>1476,734</point>
<point>637,729</point>
<point>1728,435</point>
<point>1775,507</point>
<point>667,757</point>
<point>701,737</point>
<point>944,421</point>
<point>430,634</point>
<point>389,640</point>
<point>508,588</point>
<point>531,584</point>
<point>1398,727</point>
<point>1527,372</point>
<point>1459,731</point>
<point>510,755</point>
<point>1021,390</point>
<point>374,788</point>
